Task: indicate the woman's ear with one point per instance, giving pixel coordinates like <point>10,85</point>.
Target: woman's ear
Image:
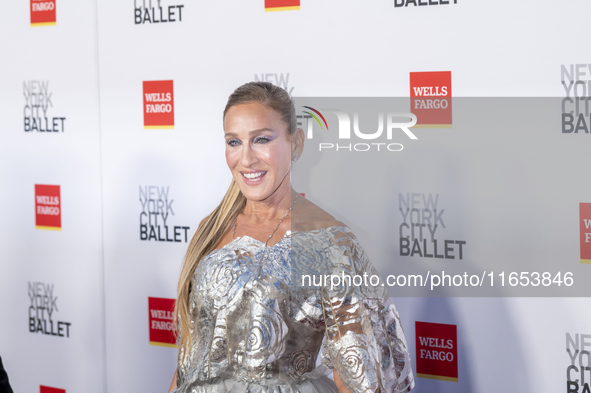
<point>297,144</point>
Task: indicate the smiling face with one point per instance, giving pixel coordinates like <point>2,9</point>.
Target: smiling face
<point>258,149</point>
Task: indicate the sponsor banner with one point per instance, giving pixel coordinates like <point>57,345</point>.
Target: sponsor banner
<point>282,5</point>
<point>421,227</point>
<point>585,227</point>
<point>437,353</point>
<point>47,389</point>
<point>281,80</point>
<point>43,12</point>
<point>48,208</point>
<point>430,99</point>
<point>157,11</point>
<point>578,372</point>
<point>155,218</point>
<point>158,104</point>
<point>576,112</point>
<point>161,322</point>
<point>38,100</point>
<point>43,309</point>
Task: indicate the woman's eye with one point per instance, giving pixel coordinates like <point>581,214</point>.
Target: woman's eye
<point>233,142</point>
<point>262,139</point>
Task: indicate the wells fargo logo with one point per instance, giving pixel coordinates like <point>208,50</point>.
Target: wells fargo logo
<point>437,351</point>
<point>42,12</point>
<point>48,209</point>
<point>161,320</point>
<point>585,226</point>
<point>430,98</point>
<point>158,104</point>
<point>282,5</point>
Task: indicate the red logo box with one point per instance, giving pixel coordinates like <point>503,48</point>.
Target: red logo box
<point>42,12</point>
<point>47,389</point>
<point>430,99</point>
<point>585,225</point>
<point>281,5</point>
<point>48,208</point>
<point>437,351</point>
<point>161,319</point>
<point>158,104</point>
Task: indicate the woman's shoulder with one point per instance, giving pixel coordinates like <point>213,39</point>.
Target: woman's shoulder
<point>307,217</point>
<point>312,222</point>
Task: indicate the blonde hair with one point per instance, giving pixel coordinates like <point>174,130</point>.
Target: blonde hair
<point>214,227</point>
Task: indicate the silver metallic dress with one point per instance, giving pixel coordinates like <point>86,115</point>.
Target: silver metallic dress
<point>257,327</point>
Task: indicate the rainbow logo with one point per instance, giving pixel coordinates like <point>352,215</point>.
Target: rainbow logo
<point>314,116</point>
<point>281,5</point>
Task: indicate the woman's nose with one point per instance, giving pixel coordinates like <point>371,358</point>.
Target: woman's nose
<point>248,156</point>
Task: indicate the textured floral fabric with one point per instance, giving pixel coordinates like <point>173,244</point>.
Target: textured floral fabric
<point>256,326</point>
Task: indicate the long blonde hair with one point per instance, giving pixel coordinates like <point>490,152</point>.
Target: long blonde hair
<point>214,227</point>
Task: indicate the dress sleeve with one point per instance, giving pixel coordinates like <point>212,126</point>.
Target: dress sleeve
<point>365,342</point>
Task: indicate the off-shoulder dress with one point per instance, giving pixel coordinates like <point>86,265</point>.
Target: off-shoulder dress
<point>261,315</point>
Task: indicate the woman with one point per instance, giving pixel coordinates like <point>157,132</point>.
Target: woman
<point>246,321</point>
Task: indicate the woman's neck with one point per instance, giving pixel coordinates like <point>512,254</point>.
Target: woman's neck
<point>272,208</point>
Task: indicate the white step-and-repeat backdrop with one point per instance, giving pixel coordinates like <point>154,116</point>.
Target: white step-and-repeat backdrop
<point>112,152</point>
